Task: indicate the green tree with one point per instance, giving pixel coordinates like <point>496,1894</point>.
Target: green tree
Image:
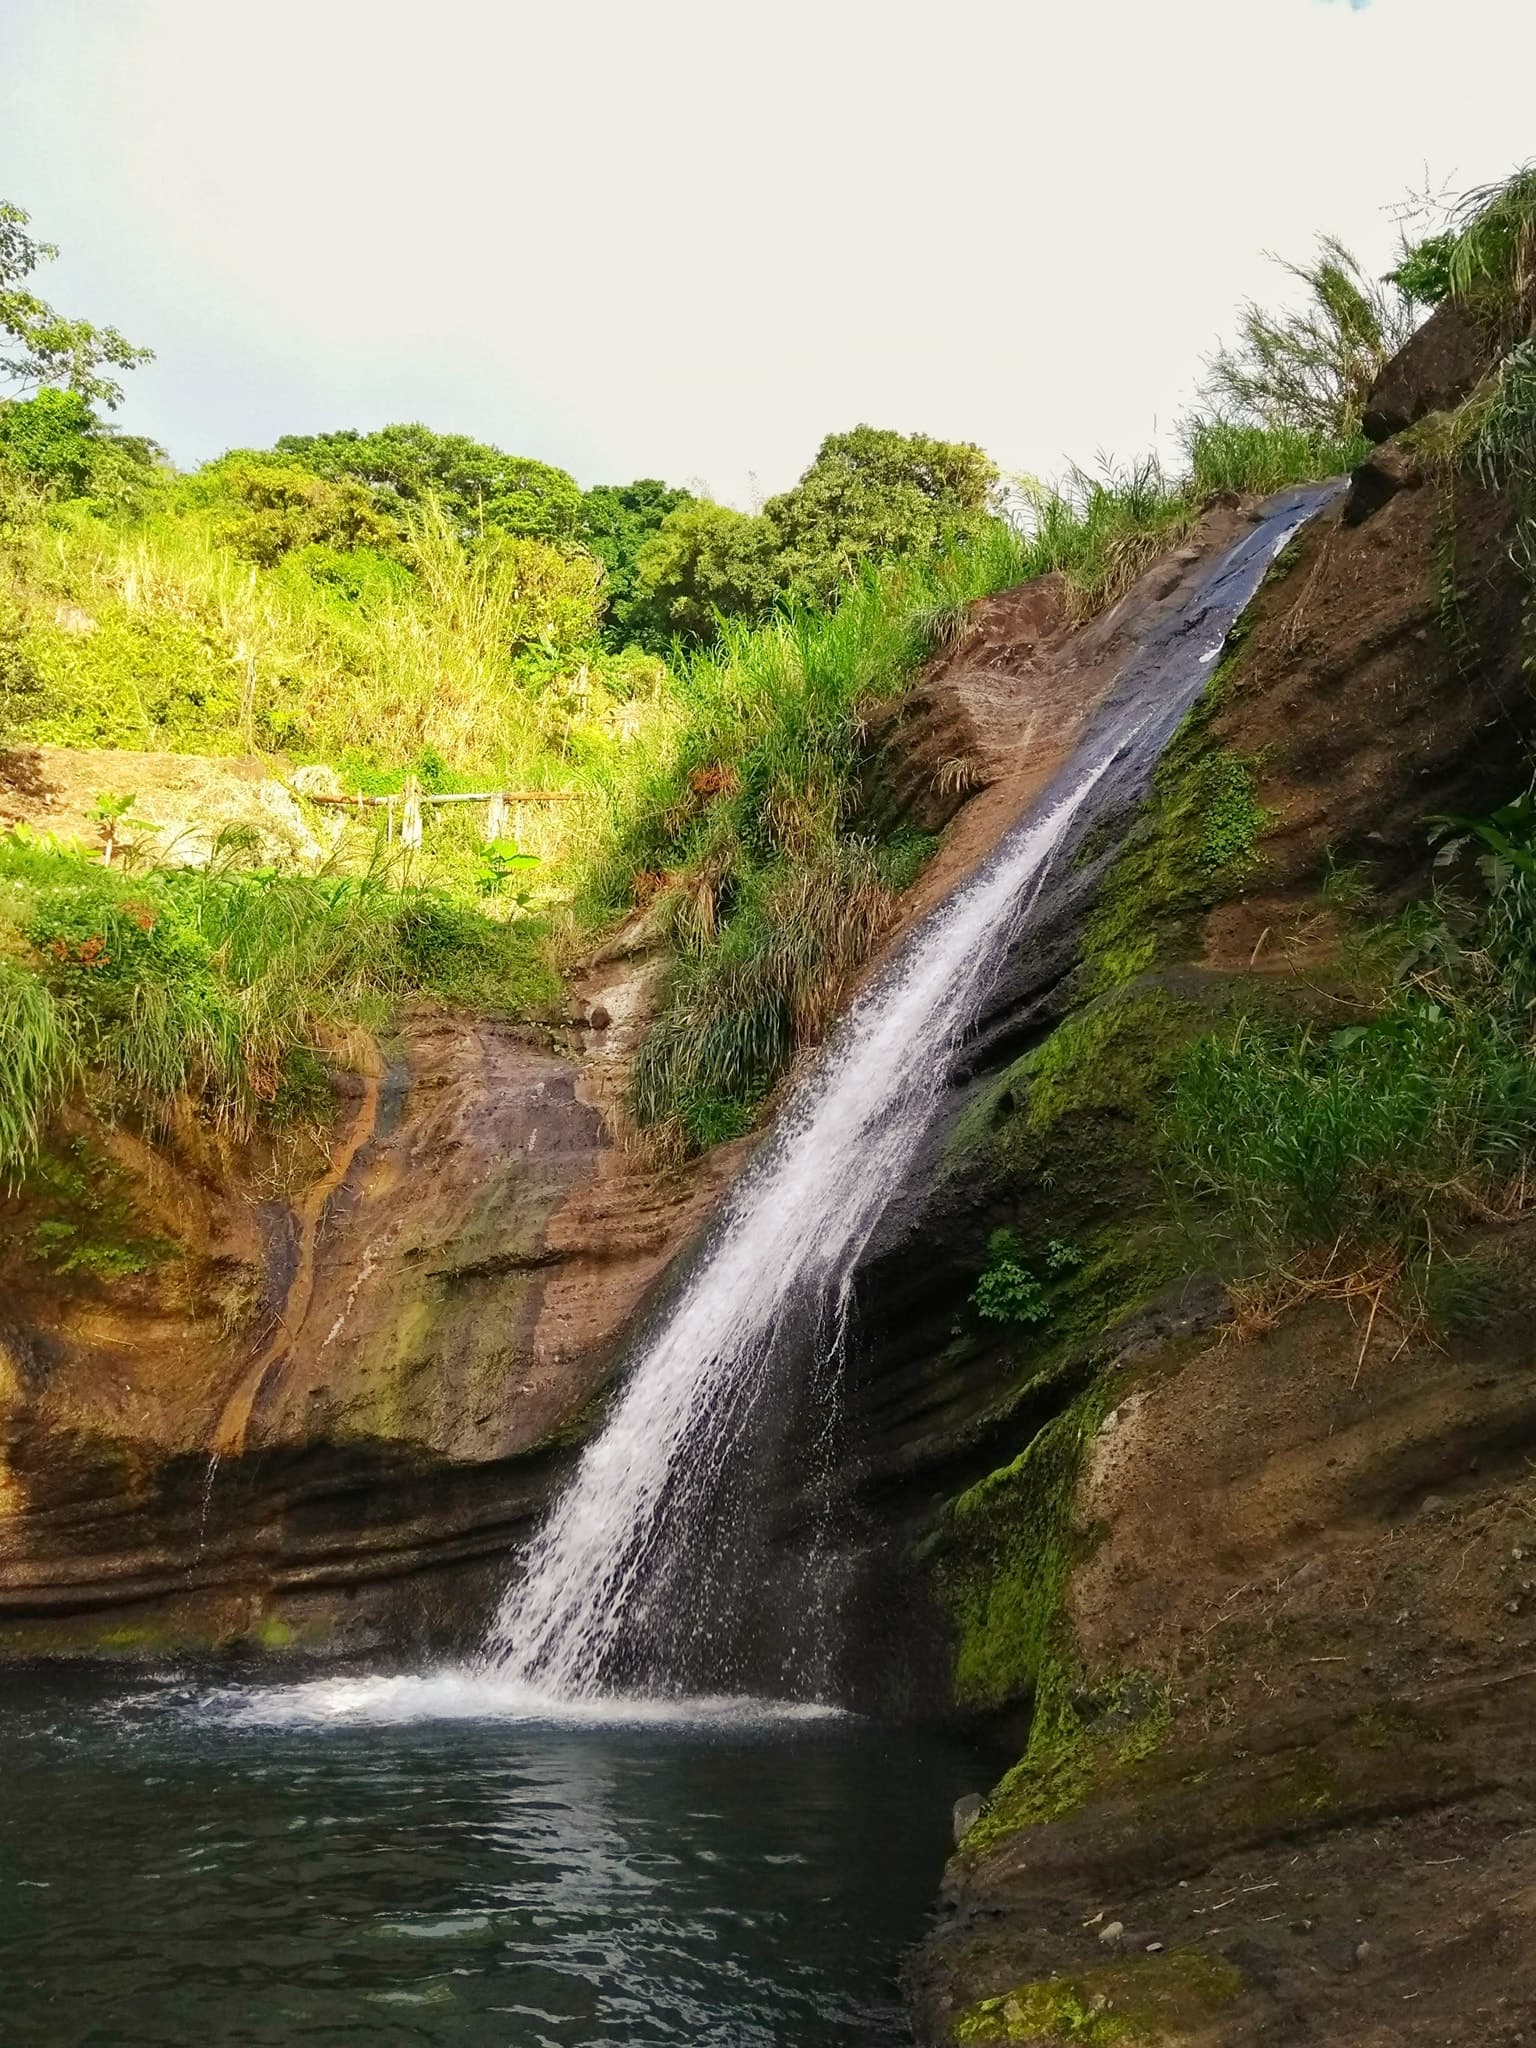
<point>43,347</point>
<point>704,559</point>
<point>56,439</point>
<point>616,522</point>
<point>283,506</point>
<point>1312,367</point>
<point>871,494</point>
<point>482,488</point>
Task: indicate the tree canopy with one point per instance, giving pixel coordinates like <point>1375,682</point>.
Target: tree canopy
<point>704,559</point>
<point>57,440</point>
<point>479,486</point>
<point>616,522</point>
<point>873,493</point>
<point>43,347</point>
<point>870,494</point>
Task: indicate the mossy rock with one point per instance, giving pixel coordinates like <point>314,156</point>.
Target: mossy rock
<point>1146,1999</point>
<point>1001,1556</point>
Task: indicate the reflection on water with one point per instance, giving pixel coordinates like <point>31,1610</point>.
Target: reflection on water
<point>415,1861</point>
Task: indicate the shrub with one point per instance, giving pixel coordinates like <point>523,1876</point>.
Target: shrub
<point>1007,1291</point>
<point>1310,368</point>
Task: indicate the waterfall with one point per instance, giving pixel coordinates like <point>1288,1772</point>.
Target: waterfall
<point>790,1236</point>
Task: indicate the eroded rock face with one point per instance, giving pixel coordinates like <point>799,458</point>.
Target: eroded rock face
<point>1296,1800</point>
<point>1322,1549</point>
<point>328,1417</point>
<point>1440,365</point>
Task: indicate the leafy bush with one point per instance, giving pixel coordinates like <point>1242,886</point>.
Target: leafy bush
<point>1008,1292</point>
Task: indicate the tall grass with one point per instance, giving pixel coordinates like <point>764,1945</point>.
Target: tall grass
<point>1398,1127</point>
<point>149,631</point>
<point>136,992</point>
<point>1100,533</point>
<point>1376,1135</point>
<point>747,835</point>
<point>1491,266</point>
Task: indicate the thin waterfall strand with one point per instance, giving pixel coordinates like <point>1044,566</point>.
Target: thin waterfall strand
<point>793,1231</point>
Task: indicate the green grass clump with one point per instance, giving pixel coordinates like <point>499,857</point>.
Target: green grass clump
<point>1489,267</point>
<point>742,1000</point>
<point>133,992</point>
<point>1375,1133</point>
<point>1243,459</point>
<point>1100,533</point>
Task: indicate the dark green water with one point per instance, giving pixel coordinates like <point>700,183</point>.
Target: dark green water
<point>405,1862</point>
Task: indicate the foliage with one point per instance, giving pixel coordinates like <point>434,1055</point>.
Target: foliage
<point>705,561</point>
<point>56,440</point>
<point>480,488</point>
<point>1311,367</point>
<point>1007,1291</point>
<point>1494,434</point>
<point>1423,273</point>
<point>872,495</point>
<point>1101,532</point>
<point>142,990</point>
<point>746,838</point>
<point>742,999</point>
<point>1375,1132</point>
<point>1391,1129</point>
<point>283,507</point>
<point>45,348</point>
<point>1244,458</point>
<point>616,522</point>
<point>1491,266</point>
<point>153,633</point>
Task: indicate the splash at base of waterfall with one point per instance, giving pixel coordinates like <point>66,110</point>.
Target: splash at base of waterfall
<point>478,1692</point>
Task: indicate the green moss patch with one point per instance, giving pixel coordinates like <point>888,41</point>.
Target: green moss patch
<point>1001,1559</point>
<point>1111,1056</point>
<point>1081,1739</point>
<point>1145,1999</point>
<point>80,1217</point>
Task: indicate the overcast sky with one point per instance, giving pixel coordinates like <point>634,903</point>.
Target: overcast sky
<point>688,238</point>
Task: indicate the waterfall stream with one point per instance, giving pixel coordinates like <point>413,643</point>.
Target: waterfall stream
<point>624,1563</point>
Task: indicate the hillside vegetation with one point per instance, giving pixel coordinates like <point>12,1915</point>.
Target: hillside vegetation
<point>402,605</point>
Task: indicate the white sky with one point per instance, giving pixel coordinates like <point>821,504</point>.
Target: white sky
<point>687,238</point>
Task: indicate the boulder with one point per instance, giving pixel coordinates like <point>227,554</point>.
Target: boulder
<point>1435,371</point>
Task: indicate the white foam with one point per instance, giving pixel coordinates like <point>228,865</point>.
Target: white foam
<point>476,1693</point>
